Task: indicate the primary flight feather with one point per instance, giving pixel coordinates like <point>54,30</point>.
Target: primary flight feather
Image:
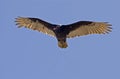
<point>61,32</point>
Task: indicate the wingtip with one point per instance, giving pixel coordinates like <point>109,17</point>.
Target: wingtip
<point>106,22</point>
<point>19,26</point>
<point>109,24</point>
<point>110,27</point>
<point>19,17</point>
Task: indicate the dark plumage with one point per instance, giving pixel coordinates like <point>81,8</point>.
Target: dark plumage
<point>65,31</point>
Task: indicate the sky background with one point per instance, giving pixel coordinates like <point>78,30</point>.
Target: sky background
<point>28,54</point>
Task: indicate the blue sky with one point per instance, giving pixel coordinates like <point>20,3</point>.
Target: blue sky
<point>27,54</point>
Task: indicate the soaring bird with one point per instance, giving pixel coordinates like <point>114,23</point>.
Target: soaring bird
<point>62,32</point>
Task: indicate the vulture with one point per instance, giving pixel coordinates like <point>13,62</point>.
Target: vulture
<point>62,32</point>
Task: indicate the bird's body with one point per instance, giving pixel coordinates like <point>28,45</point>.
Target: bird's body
<point>61,32</point>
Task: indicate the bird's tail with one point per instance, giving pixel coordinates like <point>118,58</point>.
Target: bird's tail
<point>62,44</point>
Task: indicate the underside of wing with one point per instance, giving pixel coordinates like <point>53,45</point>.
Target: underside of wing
<point>88,27</point>
<point>36,24</point>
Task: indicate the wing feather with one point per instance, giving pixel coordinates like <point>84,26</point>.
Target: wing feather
<point>87,27</point>
<point>36,24</point>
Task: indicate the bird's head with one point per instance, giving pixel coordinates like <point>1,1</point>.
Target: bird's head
<point>57,27</point>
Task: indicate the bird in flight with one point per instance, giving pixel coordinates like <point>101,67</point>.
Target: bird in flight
<point>62,32</point>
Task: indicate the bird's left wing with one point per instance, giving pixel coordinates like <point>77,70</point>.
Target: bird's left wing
<point>87,27</point>
<point>36,24</point>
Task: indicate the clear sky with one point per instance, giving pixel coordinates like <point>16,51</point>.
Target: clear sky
<point>28,54</point>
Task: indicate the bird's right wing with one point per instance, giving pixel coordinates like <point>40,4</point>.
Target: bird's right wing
<point>87,27</point>
<point>36,24</point>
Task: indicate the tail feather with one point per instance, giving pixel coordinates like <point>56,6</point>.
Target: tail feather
<point>62,44</point>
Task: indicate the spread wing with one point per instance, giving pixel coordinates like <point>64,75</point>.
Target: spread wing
<point>36,24</point>
<point>87,27</point>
